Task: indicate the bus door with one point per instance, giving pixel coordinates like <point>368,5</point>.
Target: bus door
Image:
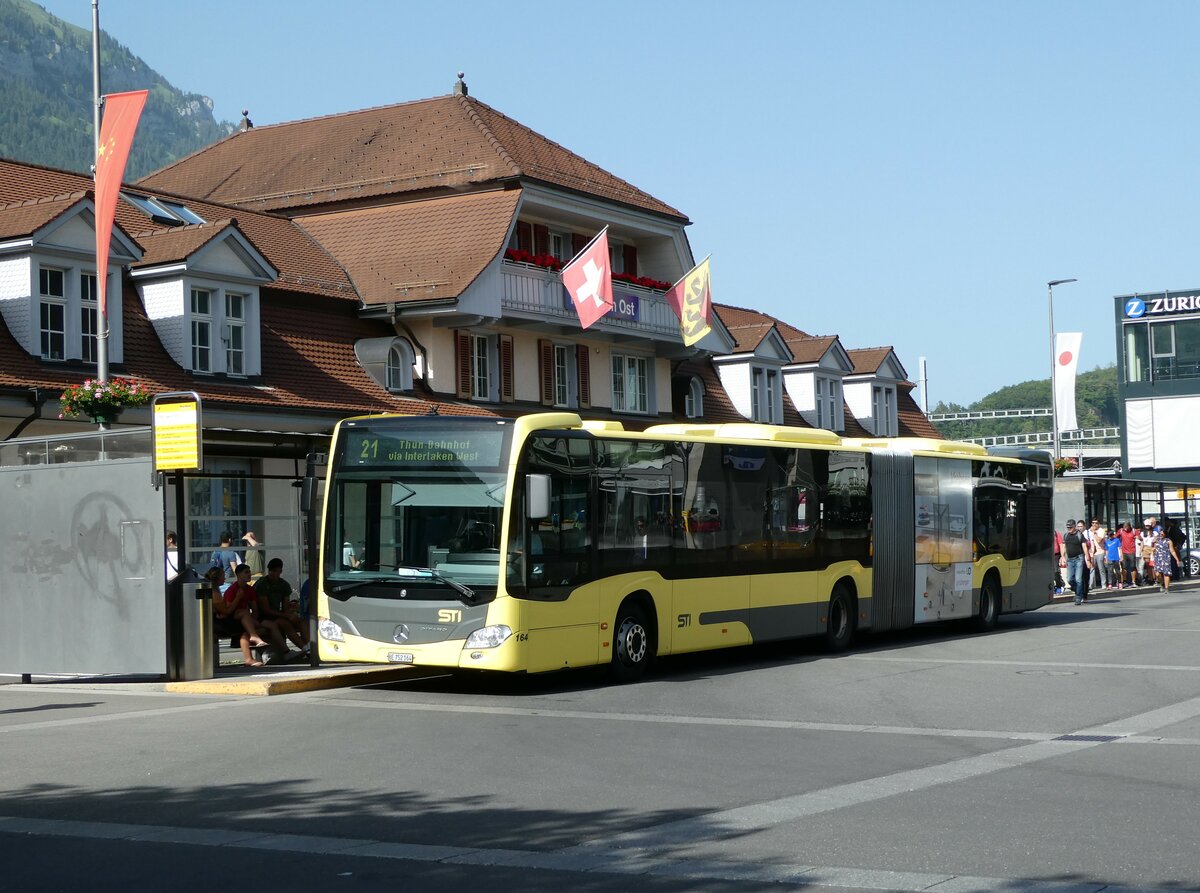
<point>943,541</point>
<point>635,546</point>
<point>718,530</point>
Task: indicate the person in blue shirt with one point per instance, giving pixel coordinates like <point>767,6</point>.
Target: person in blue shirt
<point>1112,550</point>
<point>224,557</point>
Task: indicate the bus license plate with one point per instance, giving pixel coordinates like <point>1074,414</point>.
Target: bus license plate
<point>400,657</point>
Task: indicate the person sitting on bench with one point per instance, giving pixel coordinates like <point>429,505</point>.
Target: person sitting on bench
<point>274,604</point>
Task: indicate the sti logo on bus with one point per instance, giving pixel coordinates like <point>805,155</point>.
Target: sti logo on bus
<point>449,615</point>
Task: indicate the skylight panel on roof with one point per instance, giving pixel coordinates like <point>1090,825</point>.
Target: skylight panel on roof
<point>162,211</point>
<point>183,212</point>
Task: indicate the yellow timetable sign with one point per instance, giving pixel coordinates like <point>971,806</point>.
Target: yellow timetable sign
<point>177,435</point>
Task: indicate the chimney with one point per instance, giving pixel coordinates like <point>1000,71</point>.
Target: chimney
<point>245,123</point>
<point>460,88</point>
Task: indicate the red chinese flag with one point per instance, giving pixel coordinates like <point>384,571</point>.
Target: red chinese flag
<point>588,279</point>
<point>121,113</point>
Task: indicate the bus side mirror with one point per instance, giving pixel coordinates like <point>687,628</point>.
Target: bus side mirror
<point>537,490</point>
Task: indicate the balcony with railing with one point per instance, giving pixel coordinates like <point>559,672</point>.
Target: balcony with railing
<point>534,292</point>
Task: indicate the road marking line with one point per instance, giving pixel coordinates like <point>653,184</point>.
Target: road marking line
<point>130,714</point>
<point>760,816</point>
<point>577,861</point>
<point>1174,668</point>
<point>785,724</point>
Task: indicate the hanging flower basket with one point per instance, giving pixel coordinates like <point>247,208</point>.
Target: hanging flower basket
<point>103,401</point>
<point>1063,464</point>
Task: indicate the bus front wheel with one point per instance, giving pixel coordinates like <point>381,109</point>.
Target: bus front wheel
<point>632,645</point>
<point>839,629</point>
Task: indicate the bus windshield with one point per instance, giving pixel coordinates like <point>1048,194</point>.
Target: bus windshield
<point>415,508</point>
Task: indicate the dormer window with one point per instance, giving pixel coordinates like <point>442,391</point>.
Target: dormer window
<point>68,314</point>
<point>214,313</point>
<point>53,313</point>
<point>830,414</point>
<point>883,409</point>
<point>89,315</point>
<point>693,399</point>
<point>399,371</point>
<point>765,400</point>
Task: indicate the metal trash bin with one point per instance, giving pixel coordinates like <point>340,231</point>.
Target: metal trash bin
<point>193,649</point>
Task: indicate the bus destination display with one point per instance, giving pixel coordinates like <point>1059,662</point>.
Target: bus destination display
<point>471,449</point>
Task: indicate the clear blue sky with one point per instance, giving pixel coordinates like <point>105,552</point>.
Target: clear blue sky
<point>908,173</point>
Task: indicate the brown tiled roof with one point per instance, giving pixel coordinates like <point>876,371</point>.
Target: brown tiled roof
<point>913,422</point>
<point>810,350</point>
<point>752,326</point>
<point>868,359</point>
<point>307,358</point>
<point>854,427</point>
<point>177,243</point>
<point>23,218</point>
<point>418,250</point>
<point>448,142</point>
<point>303,265</point>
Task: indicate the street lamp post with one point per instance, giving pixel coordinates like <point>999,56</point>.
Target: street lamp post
<point>1054,366</point>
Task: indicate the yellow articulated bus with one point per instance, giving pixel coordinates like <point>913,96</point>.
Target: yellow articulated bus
<point>546,542</point>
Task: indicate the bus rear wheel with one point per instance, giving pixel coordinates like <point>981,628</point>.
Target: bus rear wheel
<point>989,605</point>
<point>632,644</point>
<point>839,629</point>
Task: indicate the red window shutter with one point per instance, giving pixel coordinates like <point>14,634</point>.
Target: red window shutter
<point>506,369</point>
<point>583,365</point>
<point>578,243</point>
<point>462,361</point>
<point>524,235</point>
<point>630,252</point>
<point>541,239</point>
<point>546,355</point>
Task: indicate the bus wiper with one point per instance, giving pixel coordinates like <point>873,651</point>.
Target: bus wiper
<point>465,592</point>
<point>358,584</point>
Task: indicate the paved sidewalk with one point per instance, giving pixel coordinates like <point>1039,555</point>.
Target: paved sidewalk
<point>1187,584</point>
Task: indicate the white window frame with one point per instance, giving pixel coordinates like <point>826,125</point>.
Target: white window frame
<point>50,301</point>
<point>481,378</point>
<point>233,333</point>
<point>200,321</point>
<point>89,317</point>
<point>562,374</point>
<point>883,409</point>
<point>693,399</point>
<point>234,341</point>
<point>398,371</point>
<point>622,364</point>
<point>765,404</point>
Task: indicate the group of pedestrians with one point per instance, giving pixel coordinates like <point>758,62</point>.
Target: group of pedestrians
<point>1098,558</point>
<point>257,609</point>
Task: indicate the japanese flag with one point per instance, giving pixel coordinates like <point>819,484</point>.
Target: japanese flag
<point>588,280</point>
<point>1066,359</point>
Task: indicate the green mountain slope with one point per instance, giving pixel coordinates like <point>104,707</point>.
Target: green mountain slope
<point>46,85</point>
<point>1095,406</point>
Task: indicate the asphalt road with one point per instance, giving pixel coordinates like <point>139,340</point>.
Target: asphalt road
<point>1061,752</point>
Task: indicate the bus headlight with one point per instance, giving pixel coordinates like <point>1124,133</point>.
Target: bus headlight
<point>329,630</point>
<point>488,637</point>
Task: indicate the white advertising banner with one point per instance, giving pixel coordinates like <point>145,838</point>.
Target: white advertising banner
<point>1066,359</point>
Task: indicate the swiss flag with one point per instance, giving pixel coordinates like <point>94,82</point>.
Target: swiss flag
<point>588,280</point>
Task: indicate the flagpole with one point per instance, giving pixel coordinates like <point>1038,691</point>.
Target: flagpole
<point>585,248</point>
<point>102,287</point>
<point>692,270</point>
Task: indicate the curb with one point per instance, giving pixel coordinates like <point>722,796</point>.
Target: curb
<point>265,686</point>
<point>1096,595</point>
